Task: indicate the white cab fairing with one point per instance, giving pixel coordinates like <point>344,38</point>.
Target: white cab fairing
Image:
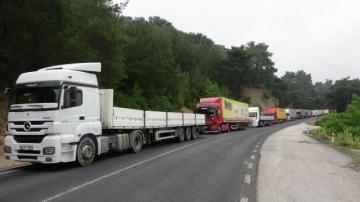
<point>254,115</point>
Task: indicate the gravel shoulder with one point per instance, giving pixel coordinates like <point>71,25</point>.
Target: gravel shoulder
<point>294,167</point>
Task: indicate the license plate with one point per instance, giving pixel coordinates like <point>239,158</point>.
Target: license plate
<point>26,147</point>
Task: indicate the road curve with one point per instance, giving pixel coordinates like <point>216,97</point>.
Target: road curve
<point>304,169</point>
<point>210,168</point>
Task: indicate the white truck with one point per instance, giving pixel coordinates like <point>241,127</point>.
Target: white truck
<point>258,120</point>
<point>290,114</point>
<point>58,114</point>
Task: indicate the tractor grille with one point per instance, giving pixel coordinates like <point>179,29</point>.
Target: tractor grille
<point>29,138</point>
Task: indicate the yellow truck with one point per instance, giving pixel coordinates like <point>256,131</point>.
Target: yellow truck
<point>278,113</point>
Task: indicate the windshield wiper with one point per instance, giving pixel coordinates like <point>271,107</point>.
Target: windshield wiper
<point>16,106</point>
<point>35,105</point>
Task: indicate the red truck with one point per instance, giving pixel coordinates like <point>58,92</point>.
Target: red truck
<point>278,113</point>
<point>223,114</point>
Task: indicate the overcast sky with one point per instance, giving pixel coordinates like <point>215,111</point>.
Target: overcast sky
<point>321,37</point>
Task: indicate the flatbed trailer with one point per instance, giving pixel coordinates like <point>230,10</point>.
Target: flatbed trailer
<point>58,114</point>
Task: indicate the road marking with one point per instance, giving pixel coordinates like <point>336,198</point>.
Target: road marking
<point>252,157</point>
<point>257,146</point>
<point>250,165</point>
<point>246,162</point>
<point>119,171</point>
<point>247,179</point>
<point>255,150</point>
<point>244,199</point>
<point>6,172</point>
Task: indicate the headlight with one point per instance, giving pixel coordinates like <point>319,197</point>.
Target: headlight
<point>49,150</point>
<point>7,149</point>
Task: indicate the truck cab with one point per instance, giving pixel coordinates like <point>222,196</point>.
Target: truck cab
<point>51,110</point>
<point>212,110</point>
<point>254,115</point>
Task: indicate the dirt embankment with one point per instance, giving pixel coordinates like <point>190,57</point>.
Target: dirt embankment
<point>3,111</point>
<point>258,97</point>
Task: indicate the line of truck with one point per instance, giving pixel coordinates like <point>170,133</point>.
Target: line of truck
<point>59,114</point>
<point>224,115</point>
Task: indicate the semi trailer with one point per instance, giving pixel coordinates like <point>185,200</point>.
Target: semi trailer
<point>223,114</point>
<point>300,113</point>
<point>290,114</point>
<point>308,113</point>
<point>258,120</point>
<point>278,113</point>
<point>58,114</point>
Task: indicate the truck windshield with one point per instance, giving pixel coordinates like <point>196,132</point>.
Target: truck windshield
<point>208,112</point>
<point>252,114</point>
<point>30,95</point>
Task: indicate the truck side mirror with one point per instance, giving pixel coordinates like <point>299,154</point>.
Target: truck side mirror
<point>73,90</point>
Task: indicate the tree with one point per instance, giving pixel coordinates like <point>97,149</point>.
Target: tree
<point>211,89</point>
<point>341,92</point>
<point>300,92</point>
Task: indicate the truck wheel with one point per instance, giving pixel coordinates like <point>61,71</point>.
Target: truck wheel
<point>85,153</point>
<point>188,134</point>
<point>194,133</point>
<point>181,135</point>
<point>136,141</point>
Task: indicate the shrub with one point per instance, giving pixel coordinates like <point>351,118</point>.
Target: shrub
<point>344,139</point>
<point>321,133</point>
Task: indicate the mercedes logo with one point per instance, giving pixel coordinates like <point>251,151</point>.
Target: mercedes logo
<point>27,126</point>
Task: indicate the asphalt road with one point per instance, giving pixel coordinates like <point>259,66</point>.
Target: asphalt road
<point>210,168</point>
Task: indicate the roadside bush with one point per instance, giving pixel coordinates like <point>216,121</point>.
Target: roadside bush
<point>333,123</point>
<point>322,134</point>
<point>344,139</point>
<point>345,125</point>
<point>356,144</point>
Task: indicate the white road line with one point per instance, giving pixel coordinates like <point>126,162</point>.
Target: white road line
<point>257,146</point>
<point>246,162</point>
<point>252,157</point>
<point>255,151</point>
<point>247,179</point>
<point>6,172</point>
<point>250,165</point>
<point>119,171</point>
<point>244,199</point>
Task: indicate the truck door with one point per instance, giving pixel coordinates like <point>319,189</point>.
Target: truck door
<point>72,110</point>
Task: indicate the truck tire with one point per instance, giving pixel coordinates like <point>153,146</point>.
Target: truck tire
<point>86,151</point>
<point>180,135</point>
<point>188,134</point>
<point>136,141</point>
<point>194,133</point>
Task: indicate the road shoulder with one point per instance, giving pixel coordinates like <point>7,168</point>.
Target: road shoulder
<point>295,167</point>
<point>6,164</point>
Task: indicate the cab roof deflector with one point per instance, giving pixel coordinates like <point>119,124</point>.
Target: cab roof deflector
<point>85,67</point>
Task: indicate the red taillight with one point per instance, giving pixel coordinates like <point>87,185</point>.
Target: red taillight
<point>212,118</point>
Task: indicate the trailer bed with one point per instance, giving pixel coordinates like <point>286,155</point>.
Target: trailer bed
<point>124,118</point>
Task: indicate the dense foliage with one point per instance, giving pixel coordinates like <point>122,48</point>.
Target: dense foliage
<point>346,125</point>
<point>149,63</point>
